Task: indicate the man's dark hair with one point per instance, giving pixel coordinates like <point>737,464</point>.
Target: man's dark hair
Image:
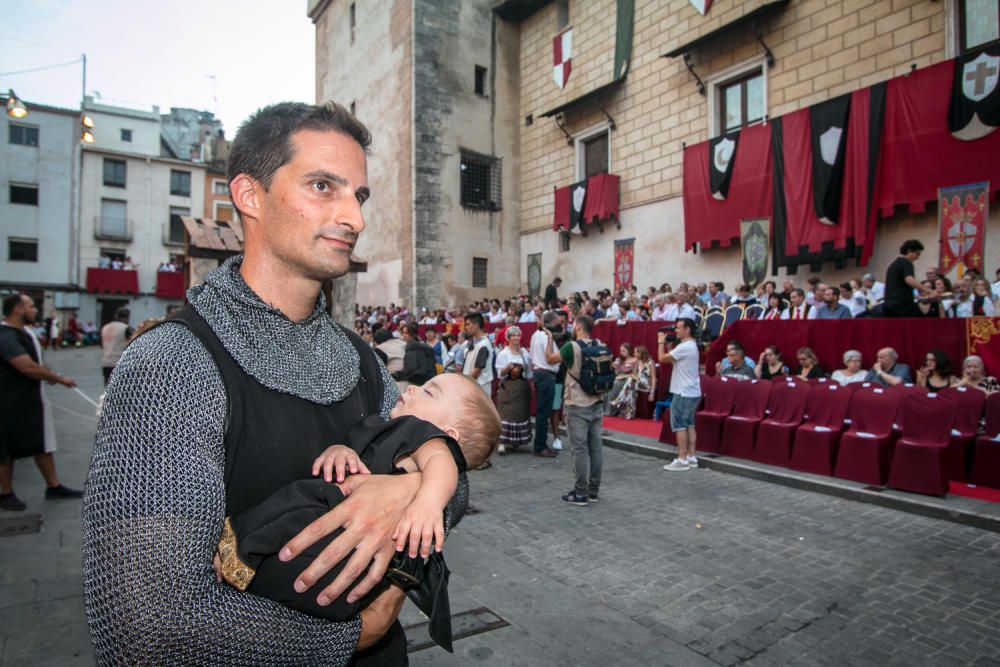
<point>836,290</point>
<point>586,323</point>
<point>412,330</point>
<point>801,292</point>
<point>10,303</point>
<point>381,336</point>
<point>122,314</point>
<point>719,286</point>
<point>735,344</point>
<point>689,323</point>
<point>911,245</point>
<point>845,286</point>
<point>263,143</point>
<point>475,317</point>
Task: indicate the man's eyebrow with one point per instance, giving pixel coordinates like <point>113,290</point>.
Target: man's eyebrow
<point>327,175</point>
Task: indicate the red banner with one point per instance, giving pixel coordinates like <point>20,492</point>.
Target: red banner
<point>624,263</point>
<point>963,211</point>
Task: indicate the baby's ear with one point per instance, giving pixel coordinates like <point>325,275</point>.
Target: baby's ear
<point>453,432</point>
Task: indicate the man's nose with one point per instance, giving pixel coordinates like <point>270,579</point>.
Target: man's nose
<point>350,215</point>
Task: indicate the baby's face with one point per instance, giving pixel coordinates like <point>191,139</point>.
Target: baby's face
<point>434,402</point>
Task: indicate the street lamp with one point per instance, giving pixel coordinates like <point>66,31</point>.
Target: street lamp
<point>15,107</point>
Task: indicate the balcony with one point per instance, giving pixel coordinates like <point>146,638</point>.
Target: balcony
<point>170,285</point>
<point>112,281</point>
<point>112,229</point>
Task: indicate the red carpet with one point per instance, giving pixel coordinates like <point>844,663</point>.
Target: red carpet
<point>643,427</point>
<point>977,492</point>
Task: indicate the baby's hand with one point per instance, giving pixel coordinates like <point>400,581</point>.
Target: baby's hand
<point>341,458</point>
<point>421,523</point>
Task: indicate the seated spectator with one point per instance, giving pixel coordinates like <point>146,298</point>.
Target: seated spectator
<point>873,290</point>
<point>962,304</point>
<point>936,373</point>
<point>770,364</point>
<point>638,385</point>
<point>982,299</point>
<point>809,368</point>
<point>814,295</point>
<point>628,312</point>
<point>798,309</point>
<point>743,296</point>
<point>716,296</point>
<point>855,301</point>
<point>995,288</point>
<point>852,371</point>
<point>974,375</point>
<point>774,308</point>
<point>660,308</point>
<point>624,366</point>
<point>831,308</point>
<point>738,367</point>
<point>724,364</point>
<point>887,370</point>
<point>703,293</point>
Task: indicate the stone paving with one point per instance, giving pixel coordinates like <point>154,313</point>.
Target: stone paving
<point>694,568</point>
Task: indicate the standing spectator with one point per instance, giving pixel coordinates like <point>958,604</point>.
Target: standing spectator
<point>419,364</point>
<point>832,308</point>
<point>392,352</point>
<point>685,390</point>
<point>545,360</point>
<point>798,309</point>
<point>456,354</point>
<point>716,296</point>
<point>887,370</point>
<point>514,393</point>
<point>552,293</point>
<point>114,337</point>
<point>900,282</point>
<point>104,262</point>
<point>852,371</point>
<point>27,425</point>
<point>584,413</point>
<point>558,394</point>
<point>479,358</point>
<point>55,333</point>
<point>809,368</point>
<point>974,375</point>
<point>936,373</point>
<point>771,364</point>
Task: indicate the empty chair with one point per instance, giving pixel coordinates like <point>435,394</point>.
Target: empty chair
<point>749,409</point>
<point>753,312</point>
<point>734,313</point>
<point>918,464</point>
<point>865,451</point>
<point>786,407</point>
<point>969,403</point>
<point>713,323</point>
<point>986,460</point>
<point>815,447</point>
<point>718,405</point>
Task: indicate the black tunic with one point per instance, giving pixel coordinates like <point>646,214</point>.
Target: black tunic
<point>22,424</point>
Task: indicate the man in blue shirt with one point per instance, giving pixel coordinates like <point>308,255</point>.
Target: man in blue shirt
<point>887,371</point>
<point>832,309</point>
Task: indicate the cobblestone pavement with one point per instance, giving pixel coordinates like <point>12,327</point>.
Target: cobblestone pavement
<point>694,568</point>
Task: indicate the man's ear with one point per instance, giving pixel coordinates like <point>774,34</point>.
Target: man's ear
<point>246,193</point>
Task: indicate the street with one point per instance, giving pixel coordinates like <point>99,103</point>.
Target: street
<point>694,568</point>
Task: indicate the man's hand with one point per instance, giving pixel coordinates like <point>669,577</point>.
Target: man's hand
<point>379,615</point>
<point>369,515</point>
<point>340,459</point>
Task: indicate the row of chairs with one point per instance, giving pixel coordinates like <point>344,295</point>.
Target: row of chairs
<point>718,320</point>
<point>902,436</point>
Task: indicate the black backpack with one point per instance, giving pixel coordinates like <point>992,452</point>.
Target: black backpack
<point>597,375</point>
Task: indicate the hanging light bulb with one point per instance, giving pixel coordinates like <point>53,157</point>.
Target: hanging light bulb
<point>15,107</point>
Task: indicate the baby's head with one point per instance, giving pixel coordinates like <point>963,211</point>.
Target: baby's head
<point>458,406</point>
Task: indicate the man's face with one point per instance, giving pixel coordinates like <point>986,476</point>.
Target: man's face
<point>471,328</point>
<point>29,311</point>
<point>829,296</point>
<point>796,299</point>
<point>310,218</point>
<point>735,358</point>
<point>788,285</point>
<point>884,359</point>
<point>701,288</point>
<point>712,289</point>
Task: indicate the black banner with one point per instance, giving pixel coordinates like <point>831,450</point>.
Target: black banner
<point>975,95</point>
<point>721,157</point>
<point>577,201</point>
<point>828,135</point>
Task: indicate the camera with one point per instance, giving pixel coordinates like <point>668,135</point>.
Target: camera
<point>671,331</point>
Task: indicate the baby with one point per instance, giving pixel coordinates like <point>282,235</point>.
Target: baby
<point>438,429</point>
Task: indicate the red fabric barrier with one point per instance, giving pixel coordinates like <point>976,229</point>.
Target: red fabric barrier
<point>170,285</point>
<point>112,281</point>
<point>602,198</point>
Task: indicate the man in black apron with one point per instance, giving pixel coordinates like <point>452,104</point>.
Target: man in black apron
<point>26,426</point>
<point>232,398</point>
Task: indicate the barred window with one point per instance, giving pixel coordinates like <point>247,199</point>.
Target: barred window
<point>479,271</point>
<point>481,184</point>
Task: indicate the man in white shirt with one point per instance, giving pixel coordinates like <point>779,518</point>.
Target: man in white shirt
<point>545,360</point>
<point>799,309</point>
<point>873,290</point>
<point>114,339</point>
<point>685,390</point>
<point>479,359</point>
<point>855,301</point>
<point>660,307</point>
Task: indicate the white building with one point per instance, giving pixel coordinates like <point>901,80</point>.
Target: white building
<point>37,207</point>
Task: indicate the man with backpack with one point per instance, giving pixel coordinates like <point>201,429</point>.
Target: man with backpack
<point>589,376</point>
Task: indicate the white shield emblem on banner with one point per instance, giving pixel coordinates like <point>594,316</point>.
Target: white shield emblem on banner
<point>979,76</point>
<point>562,58</point>
<point>829,144</point>
<point>578,195</point>
<point>961,238</point>
<point>723,154</point>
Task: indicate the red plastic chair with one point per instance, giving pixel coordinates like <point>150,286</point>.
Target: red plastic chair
<point>918,463</point>
<point>866,449</point>
<point>786,407</point>
<point>708,421</point>
<point>749,409</point>
<point>986,461</point>
<point>815,446</point>
<point>969,403</point>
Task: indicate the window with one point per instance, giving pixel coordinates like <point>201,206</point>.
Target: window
<point>564,238</point>
<point>22,250</point>
<point>480,80</point>
<point>24,194</point>
<point>481,184</point>
<point>126,135</point>
<point>220,188</point>
<point>479,271</point>
<point>978,23</point>
<point>562,14</point>
<point>354,20</point>
<point>741,101</point>
<point>593,152</point>
<point>114,173</point>
<point>113,254</point>
<point>23,135</point>
<point>180,183</point>
<point>113,223</point>
<point>175,228</point>
<point>223,211</point>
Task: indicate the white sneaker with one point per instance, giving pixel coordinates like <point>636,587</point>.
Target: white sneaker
<point>692,461</point>
<point>501,449</point>
<point>676,466</point>
<point>557,444</point>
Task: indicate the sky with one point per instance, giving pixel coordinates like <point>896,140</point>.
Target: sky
<point>226,56</point>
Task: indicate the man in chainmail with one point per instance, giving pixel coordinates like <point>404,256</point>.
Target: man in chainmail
<point>231,399</point>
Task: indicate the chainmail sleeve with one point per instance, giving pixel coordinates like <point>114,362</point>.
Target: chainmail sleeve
<point>459,502</point>
<point>152,515</point>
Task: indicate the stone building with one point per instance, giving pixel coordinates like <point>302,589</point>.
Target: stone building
<point>687,77</point>
<point>437,83</point>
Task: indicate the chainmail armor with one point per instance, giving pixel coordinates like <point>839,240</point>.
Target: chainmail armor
<point>155,498</point>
